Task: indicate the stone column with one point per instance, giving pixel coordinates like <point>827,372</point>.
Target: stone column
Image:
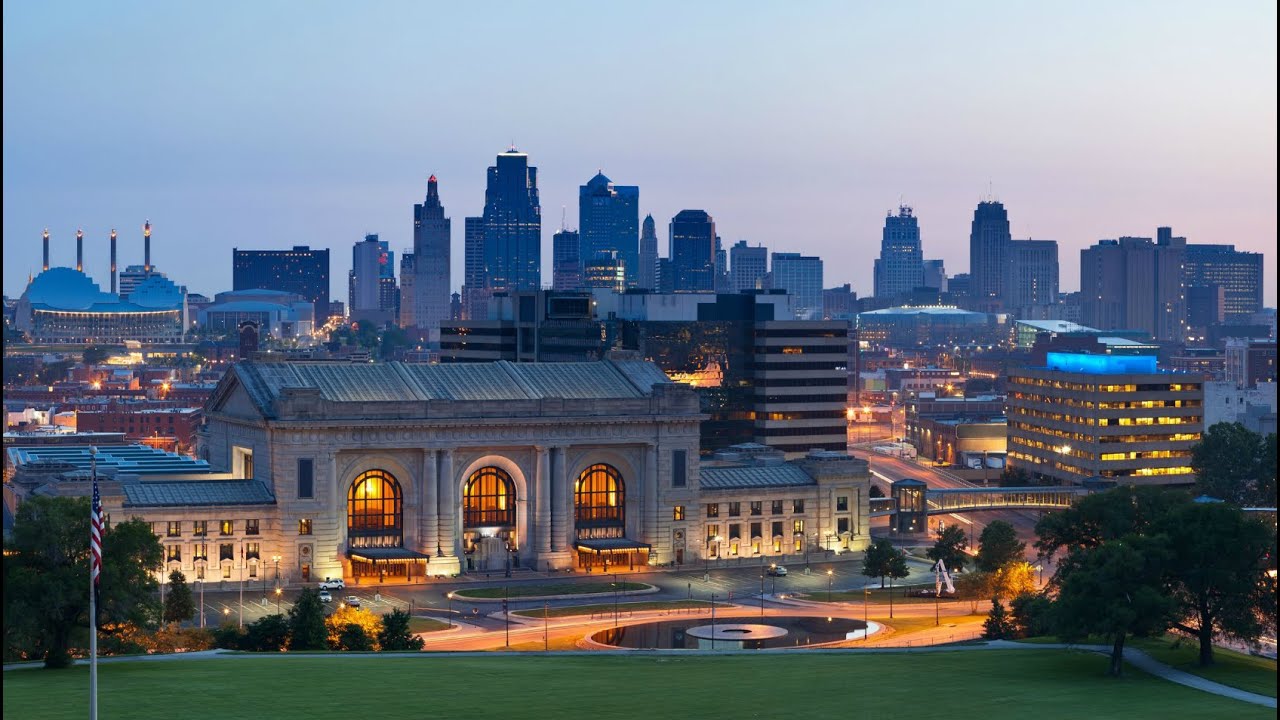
<point>447,562</point>
<point>562,509</point>
<point>649,530</point>
<point>542,509</point>
<point>430,522</point>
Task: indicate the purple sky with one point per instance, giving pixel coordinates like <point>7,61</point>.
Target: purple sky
<point>265,125</point>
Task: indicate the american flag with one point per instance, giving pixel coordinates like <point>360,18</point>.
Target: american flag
<point>95,532</point>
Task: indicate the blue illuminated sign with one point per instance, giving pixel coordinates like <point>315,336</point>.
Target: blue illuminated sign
<point>1102,364</point>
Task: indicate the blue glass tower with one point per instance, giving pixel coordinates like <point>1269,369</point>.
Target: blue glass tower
<point>512,225</point>
<point>609,222</point>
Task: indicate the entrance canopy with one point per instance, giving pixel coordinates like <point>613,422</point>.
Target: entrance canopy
<point>610,545</point>
<point>386,554</point>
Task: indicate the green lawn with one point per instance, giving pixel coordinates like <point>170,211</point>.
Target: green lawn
<point>622,607</point>
<point>423,625</point>
<point>1246,672</point>
<point>524,592</point>
<point>1046,684</point>
<point>900,595</point>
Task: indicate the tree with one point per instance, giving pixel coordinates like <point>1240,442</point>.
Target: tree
<point>1219,578</point>
<point>306,622</point>
<point>353,637</point>
<point>46,579</point>
<point>1235,464</point>
<point>1115,589</point>
<point>1015,477</point>
<point>229,637</point>
<point>950,548</point>
<point>998,545</point>
<point>1030,613</point>
<point>973,586</point>
<point>178,603</point>
<point>269,633</point>
<point>337,626</point>
<point>94,355</point>
<point>876,492</point>
<point>897,568</point>
<point>395,633</point>
<point>877,559</point>
<point>1013,579</point>
<point>997,626</point>
<point>1104,516</point>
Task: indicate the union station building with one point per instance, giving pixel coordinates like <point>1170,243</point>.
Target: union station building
<point>374,472</point>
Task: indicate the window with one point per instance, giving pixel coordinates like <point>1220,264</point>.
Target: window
<point>776,507</point>
<point>251,527</point>
<point>306,478</point>
<point>599,497</point>
<point>242,462</point>
<point>226,572</point>
<point>735,531</point>
<point>755,529</point>
<point>175,528</point>
<point>777,528</point>
<point>735,509</point>
<point>373,506</point>
<point>304,526</point>
<point>679,468</point>
<point>842,503</point>
<point>173,553</point>
<point>797,527</point>
<point>200,551</point>
<point>713,510</point>
<point>228,527</point>
<point>713,533</point>
<point>677,512</point>
<point>200,528</point>
<point>253,570</point>
<point>252,551</point>
<point>799,543</point>
<point>842,525</point>
<point>200,572</point>
<point>489,499</point>
<point>797,506</point>
<point>226,551</point>
<point>757,507</point>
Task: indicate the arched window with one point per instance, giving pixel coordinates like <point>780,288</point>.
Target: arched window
<point>374,505</point>
<point>599,497</point>
<point>489,499</point>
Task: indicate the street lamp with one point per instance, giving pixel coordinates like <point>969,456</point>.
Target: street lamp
<point>506,612</point>
<point>1040,569</point>
<point>614,583</point>
<point>762,597</point>
<point>276,558</point>
<point>713,621</point>
<point>450,596</point>
<point>829,576</point>
<point>866,596</point>
<point>279,592</point>
<point>201,581</point>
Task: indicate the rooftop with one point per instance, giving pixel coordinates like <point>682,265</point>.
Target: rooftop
<point>727,477</point>
<point>131,459</point>
<point>197,492</point>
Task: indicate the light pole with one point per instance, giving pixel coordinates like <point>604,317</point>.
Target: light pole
<point>829,576</point>
<point>937,599</point>
<point>506,612</point>
<point>449,595</point>
<point>546,636</point>
<point>614,583</point>
<point>1040,569</point>
<point>279,592</point>
<point>276,558</point>
<point>202,603</point>
<point>866,596</point>
<point>713,621</point>
<point>762,596</point>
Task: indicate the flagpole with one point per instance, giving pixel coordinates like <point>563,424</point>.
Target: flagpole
<point>93,589</point>
<point>242,586</point>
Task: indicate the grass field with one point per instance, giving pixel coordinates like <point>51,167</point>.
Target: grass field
<point>900,595</point>
<point>423,625</point>
<point>524,592</point>
<point>557,612</point>
<point>990,684</point>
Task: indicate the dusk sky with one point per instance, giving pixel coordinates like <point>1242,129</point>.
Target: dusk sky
<point>796,125</point>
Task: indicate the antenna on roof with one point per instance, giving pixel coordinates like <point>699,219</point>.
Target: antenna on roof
<point>563,227</point>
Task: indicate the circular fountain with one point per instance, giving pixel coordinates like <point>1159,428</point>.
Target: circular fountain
<point>698,633</point>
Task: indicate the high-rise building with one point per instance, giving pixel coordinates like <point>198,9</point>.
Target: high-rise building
<point>1033,274</point>
<point>512,225</point>
<point>747,266</point>
<point>604,270</point>
<point>408,282</point>
<point>609,221</point>
<point>989,241</point>
<point>647,272</point>
<point>301,271</point>
<point>839,303</point>
<point>722,268</point>
<point>1135,284</point>
<point>801,277</point>
<point>372,291</point>
<point>693,252</point>
<point>566,260</point>
<point>431,282</point>
<point>475,278</point>
<point>935,275</point>
<point>900,268</point>
<point>1239,274</point>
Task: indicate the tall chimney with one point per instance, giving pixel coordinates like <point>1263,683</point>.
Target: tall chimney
<point>113,261</point>
<point>146,249</point>
<point>79,250</point>
<point>46,248</point>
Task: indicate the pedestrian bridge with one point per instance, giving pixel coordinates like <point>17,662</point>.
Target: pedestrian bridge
<point>950,500</point>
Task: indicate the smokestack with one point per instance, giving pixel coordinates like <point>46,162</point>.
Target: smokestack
<point>146,249</point>
<point>46,248</point>
<point>113,261</point>
<point>79,250</point>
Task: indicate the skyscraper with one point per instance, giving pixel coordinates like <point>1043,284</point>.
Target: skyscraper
<point>301,270</point>
<point>372,291</point>
<point>1135,284</point>
<point>1239,274</point>
<point>475,278</point>
<point>431,281</point>
<point>609,221</point>
<point>935,275</point>
<point>1032,274</point>
<point>722,268</point>
<point>692,251</point>
<point>801,277</point>
<point>989,240</point>
<point>747,266</point>
<point>512,225</point>
<point>647,272</point>
<point>566,260</point>
<point>900,268</point>
<point>408,282</point>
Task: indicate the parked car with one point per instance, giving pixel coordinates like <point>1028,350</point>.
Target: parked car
<point>332,584</point>
<point>776,571</point>
<point>352,601</point>
<point>325,596</point>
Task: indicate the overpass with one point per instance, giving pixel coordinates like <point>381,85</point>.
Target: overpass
<point>949,500</point>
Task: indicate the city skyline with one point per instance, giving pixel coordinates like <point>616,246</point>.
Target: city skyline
<point>213,168</point>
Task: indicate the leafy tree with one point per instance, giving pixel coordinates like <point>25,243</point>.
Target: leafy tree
<point>1235,464</point>
<point>876,492</point>
<point>46,579</point>
<point>393,340</point>
<point>178,603</point>
<point>229,637</point>
<point>1104,516</point>
<point>1115,589</point>
<point>1013,579</point>
<point>897,568</point>
<point>975,585</point>
<point>395,633</point>
<point>998,545</point>
<point>997,626</point>
<point>269,633</point>
<point>306,622</point>
<point>344,616</point>
<point>53,372</point>
<point>353,637</point>
<point>877,558</point>
<point>1219,577</point>
<point>1031,615</point>
<point>1016,477</point>
<point>950,548</point>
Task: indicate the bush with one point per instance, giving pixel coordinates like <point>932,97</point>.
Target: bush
<point>228,637</point>
<point>1031,615</point>
<point>354,638</point>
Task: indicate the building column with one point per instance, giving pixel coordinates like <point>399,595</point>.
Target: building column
<point>650,510</point>
<point>447,562</point>
<point>542,510</point>
<point>430,523</point>
<point>558,497</point>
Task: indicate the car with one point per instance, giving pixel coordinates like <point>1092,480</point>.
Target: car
<point>332,584</point>
<point>776,571</point>
<point>352,601</point>
<point>325,596</point>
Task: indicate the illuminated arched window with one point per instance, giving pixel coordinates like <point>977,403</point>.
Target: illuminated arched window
<point>374,505</point>
<point>489,499</point>
<point>599,496</point>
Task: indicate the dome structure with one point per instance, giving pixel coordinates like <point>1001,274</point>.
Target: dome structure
<point>64,288</point>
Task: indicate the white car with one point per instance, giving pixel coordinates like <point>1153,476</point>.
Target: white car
<point>777,571</point>
<point>332,584</point>
<point>325,596</point>
<point>352,601</point>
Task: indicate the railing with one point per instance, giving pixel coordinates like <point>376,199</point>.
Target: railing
<point>884,506</point>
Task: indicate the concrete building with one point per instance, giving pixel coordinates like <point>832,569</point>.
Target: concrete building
<point>989,251</point>
<point>372,291</point>
<point>647,273</point>
<point>748,266</point>
<point>1237,274</point>
<point>278,313</point>
<point>1116,417</point>
<point>1033,275</point>
<point>429,279</point>
<point>1136,284</point>
<point>935,275</point>
<point>1253,406</point>
<point>1249,362</point>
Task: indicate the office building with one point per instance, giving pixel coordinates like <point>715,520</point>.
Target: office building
<point>801,376</point>
<point>372,291</point>
<point>609,222</point>
<point>722,268</point>
<point>801,277</point>
<point>475,292</point>
<point>1135,284</point>
<point>935,275</point>
<point>1239,274</point>
<point>407,319</point>
<point>604,271</point>
<point>566,260</point>
<point>647,273</point>
<point>692,252</point>
<point>512,225</point>
<point>1033,275</point>
<point>839,303</point>
<point>1249,362</point>
<point>1206,306</point>
<point>989,241</point>
<point>301,271</point>
<point>748,266</point>
<point>900,267</point>
<point>1116,417</point>
<point>431,282</point>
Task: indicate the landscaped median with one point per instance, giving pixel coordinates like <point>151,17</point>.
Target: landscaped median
<point>553,591</point>
<point>907,595</point>
<point>627,607</point>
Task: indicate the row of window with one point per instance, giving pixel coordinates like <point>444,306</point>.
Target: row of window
<point>1090,387</point>
<point>200,528</point>
<point>756,528</point>
<point>756,507</point>
<point>200,552</point>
